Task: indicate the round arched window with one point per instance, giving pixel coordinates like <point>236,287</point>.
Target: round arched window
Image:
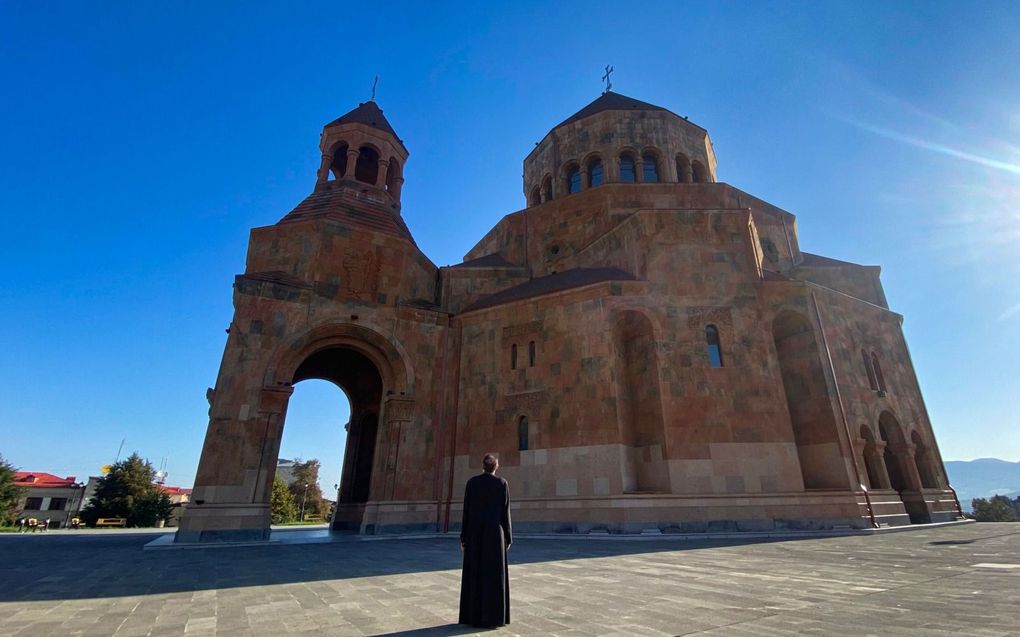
<point>627,169</point>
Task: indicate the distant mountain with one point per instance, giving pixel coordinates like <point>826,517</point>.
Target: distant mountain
<point>983,478</point>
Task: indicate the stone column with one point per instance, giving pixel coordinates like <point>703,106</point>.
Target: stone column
<point>883,471</point>
<point>397,412</point>
<point>380,179</point>
<point>905,456</point>
<point>639,169</point>
<point>352,162</point>
<point>323,175</point>
<point>398,184</point>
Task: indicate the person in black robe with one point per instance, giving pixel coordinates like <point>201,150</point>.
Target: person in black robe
<point>485,536</point>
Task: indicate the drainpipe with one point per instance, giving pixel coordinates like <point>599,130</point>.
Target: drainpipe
<point>842,410</point>
<point>441,437</point>
<point>453,437</point>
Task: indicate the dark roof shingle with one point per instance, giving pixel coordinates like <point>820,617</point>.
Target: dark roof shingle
<point>558,282</point>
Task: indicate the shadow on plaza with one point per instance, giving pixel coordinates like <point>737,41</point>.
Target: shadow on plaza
<point>68,566</point>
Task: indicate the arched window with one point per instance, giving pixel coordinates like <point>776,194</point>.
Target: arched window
<point>683,169</point>
<point>536,196</point>
<point>595,172</point>
<point>547,188</point>
<point>627,169</point>
<point>392,175</point>
<point>367,168</point>
<point>513,356</point>
<point>869,370</point>
<point>650,165</point>
<point>522,433</point>
<point>339,166</point>
<point>714,348</point>
<point>574,179</point>
<point>698,172</point>
<point>877,367</point>
<point>531,354</point>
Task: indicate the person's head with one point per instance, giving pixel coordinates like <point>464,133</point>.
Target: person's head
<point>489,463</point>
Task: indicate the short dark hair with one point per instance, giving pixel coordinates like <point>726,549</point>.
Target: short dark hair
<point>489,463</point>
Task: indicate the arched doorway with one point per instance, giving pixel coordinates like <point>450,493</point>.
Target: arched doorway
<point>810,407</point>
<point>361,381</point>
<point>311,453</point>
<point>872,460</point>
<point>899,463</point>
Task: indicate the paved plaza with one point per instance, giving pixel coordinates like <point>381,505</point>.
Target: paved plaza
<point>957,580</point>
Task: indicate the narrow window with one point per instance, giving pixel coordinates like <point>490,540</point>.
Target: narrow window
<point>595,172</point>
<point>367,167</point>
<point>627,169</point>
<point>536,196</point>
<point>339,166</point>
<point>574,180</point>
<point>547,188</point>
<point>879,377</point>
<point>699,173</point>
<point>531,354</point>
<point>513,356</point>
<point>522,434</point>
<point>392,174</point>
<point>651,168</point>
<point>714,348</point>
<point>683,169</point>
<point>869,370</point>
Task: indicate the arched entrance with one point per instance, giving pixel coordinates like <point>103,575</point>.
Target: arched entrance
<point>901,467</point>
<point>361,380</point>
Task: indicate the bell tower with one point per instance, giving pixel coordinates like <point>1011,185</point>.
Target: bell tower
<point>361,150</point>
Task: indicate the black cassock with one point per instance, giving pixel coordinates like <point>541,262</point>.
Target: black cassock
<point>486,535</point>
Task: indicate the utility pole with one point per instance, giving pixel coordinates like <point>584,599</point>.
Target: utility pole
<point>304,494</point>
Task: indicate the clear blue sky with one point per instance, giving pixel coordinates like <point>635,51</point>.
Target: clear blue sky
<point>139,142</point>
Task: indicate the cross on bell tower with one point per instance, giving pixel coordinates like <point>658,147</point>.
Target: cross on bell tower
<point>607,80</point>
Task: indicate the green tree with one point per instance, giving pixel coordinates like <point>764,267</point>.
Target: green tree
<point>997,509</point>
<point>149,508</point>
<point>282,503</point>
<point>128,485</point>
<point>10,494</point>
<point>307,473</point>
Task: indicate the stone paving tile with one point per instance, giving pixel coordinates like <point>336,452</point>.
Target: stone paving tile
<point>920,582</point>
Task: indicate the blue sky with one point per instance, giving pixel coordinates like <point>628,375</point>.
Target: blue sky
<point>139,143</point>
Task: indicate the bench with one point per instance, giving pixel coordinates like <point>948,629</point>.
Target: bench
<point>313,518</point>
<point>121,522</point>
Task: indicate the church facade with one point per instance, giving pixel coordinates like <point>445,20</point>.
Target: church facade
<point>646,349</point>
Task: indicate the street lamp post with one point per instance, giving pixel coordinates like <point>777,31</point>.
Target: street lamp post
<point>304,494</point>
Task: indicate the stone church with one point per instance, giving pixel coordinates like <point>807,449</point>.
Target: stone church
<point>647,350</point>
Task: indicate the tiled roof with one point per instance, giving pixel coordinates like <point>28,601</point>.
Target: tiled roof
<point>817,260</point>
<point>277,276</point>
<point>41,479</point>
<point>558,282</point>
<point>611,101</point>
<point>335,203</point>
<point>495,260</point>
<point>173,490</point>
<point>366,113</point>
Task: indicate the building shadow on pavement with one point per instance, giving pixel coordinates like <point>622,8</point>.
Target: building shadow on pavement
<point>436,631</point>
<point>100,566</point>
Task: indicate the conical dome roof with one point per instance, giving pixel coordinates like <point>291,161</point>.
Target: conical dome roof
<point>366,113</point>
<point>610,101</point>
